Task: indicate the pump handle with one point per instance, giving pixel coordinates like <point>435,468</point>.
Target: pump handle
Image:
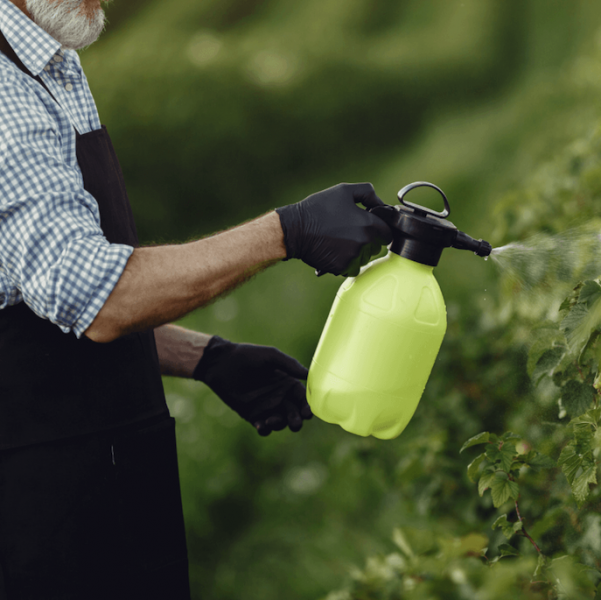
<point>422,210</point>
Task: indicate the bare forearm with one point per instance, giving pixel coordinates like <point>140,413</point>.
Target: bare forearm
<point>162,284</point>
<point>179,349</point>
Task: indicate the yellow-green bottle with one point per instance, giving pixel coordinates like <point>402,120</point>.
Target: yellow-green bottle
<point>386,326</point>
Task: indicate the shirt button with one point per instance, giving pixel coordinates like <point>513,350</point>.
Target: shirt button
<point>58,59</point>
<point>68,87</point>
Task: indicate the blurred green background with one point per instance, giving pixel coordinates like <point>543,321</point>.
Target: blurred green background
<point>223,109</point>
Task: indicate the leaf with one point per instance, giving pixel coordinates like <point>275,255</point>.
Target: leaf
<point>507,550</point>
<point>474,467</point>
<point>485,481</point>
<point>590,417</point>
<point>541,461</point>
<point>574,318</point>
<point>547,363</point>
<point>503,455</point>
<point>546,339</point>
<point>516,466</point>
<point>503,489</point>
<point>589,354</point>
<point>566,304</point>
<point>580,485</point>
<point>509,529</point>
<point>570,461</point>
<point>590,293</point>
<point>577,397</point>
<point>579,325</point>
<point>481,438</point>
<point>509,435</point>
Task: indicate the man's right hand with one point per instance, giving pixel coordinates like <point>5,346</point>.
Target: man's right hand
<point>329,232</point>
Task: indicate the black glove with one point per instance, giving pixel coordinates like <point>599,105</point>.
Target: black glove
<point>259,382</point>
<point>331,233</point>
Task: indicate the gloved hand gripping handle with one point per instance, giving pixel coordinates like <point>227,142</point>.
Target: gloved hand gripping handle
<point>419,233</point>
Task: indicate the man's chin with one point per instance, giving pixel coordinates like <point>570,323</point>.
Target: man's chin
<point>57,20</point>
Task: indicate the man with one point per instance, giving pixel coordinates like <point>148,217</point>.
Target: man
<point>89,491</point>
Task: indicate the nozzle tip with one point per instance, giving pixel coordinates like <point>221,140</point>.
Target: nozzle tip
<point>484,249</point>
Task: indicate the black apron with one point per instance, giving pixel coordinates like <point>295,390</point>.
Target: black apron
<point>53,385</point>
<point>98,515</point>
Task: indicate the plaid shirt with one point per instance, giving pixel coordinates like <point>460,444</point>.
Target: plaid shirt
<point>53,254</point>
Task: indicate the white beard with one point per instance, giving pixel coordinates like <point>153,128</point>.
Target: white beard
<point>63,20</point>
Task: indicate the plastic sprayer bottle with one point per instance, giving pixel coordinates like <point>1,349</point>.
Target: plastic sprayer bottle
<point>386,326</point>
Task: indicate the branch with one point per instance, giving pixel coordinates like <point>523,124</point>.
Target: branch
<point>524,532</point>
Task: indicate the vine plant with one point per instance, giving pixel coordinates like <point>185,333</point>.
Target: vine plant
<point>567,353</point>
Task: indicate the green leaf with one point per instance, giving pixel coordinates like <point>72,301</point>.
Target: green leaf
<point>547,363</point>
<point>509,435</point>
<point>589,354</point>
<point>481,438</point>
<point>591,417</point>
<point>515,467</point>
<point>548,337</point>
<point>570,461</point>
<point>502,456</point>
<point>580,485</point>
<point>577,397</point>
<point>474,467</point>
<point>566,304</point>
<point>574,318</point>
<point>590,293</point>
<point>509,529</point>
<point>503,489</point>
<point>541,461</point>
<point>507,550</point>
<point>485,481</point>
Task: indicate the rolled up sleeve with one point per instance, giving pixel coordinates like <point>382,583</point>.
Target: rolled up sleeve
<point>53,255</point>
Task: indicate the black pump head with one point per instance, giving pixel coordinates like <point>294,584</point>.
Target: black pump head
<point>421,234</point>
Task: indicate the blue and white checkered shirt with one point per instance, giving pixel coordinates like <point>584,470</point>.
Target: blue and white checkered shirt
<point>53,254</point>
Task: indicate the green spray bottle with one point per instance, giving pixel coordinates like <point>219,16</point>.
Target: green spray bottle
<point>386,325</point>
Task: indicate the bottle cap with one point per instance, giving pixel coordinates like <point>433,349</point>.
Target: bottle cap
<point>421,234</point>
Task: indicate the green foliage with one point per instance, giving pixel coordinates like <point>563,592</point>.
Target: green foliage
<point>458,568</point>
<point>578,460</point>
<point>538,495</point>
<point>508,529</point>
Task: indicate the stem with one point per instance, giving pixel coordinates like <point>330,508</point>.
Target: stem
<point>524,532</point>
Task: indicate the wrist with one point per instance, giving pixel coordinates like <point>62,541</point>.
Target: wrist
<point>214,351</point>
<point>289,216</point>
<point>277,234</point>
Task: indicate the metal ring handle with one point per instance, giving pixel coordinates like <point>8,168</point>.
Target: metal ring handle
<point>422,209</point>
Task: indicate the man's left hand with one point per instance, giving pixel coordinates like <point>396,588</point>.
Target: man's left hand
<point>259,382</point>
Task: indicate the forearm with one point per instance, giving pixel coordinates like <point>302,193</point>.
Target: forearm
<point>162,284</point>
<point>179,349</point>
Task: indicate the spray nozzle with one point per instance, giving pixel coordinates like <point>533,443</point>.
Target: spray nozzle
<point>465,242</point>
<point>421,234</point>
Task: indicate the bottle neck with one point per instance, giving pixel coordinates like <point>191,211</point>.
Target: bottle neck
<point>417,251</point>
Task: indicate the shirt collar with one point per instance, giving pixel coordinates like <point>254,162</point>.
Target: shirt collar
<point>31,43</point>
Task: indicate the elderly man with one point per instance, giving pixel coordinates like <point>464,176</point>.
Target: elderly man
<point>89,491</point>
